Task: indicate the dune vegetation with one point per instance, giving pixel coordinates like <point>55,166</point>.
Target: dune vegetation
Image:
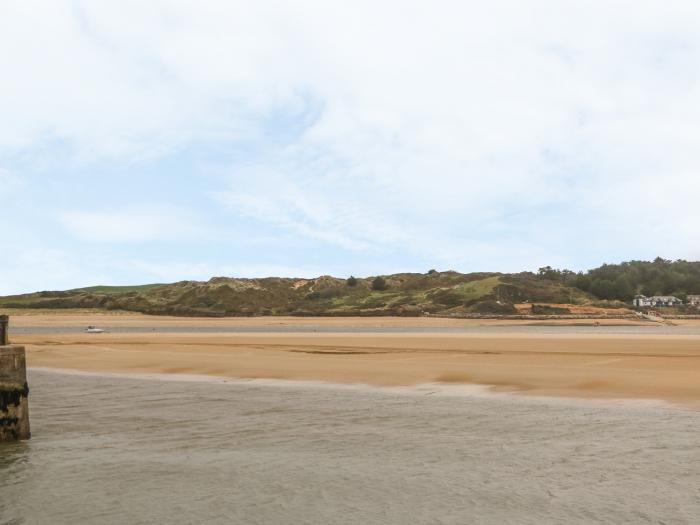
<point>405,294</point>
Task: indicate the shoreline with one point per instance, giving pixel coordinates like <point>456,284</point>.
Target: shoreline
<point>623,318</point>
<point>119,318</point>
<point>451,390</point>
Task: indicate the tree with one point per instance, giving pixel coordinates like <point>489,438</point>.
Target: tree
<point>602,288</point>
<point>379,284</point>
<point>582,282</point>
<point>547,272</point>
<point>659,277</point>
<point>352,282</point>
<point>622,289</point>
<point>431,272</point>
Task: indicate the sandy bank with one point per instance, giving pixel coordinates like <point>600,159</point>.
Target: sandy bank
<point>583,365</point>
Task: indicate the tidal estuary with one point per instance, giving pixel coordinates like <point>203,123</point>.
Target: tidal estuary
<point>110,449</point>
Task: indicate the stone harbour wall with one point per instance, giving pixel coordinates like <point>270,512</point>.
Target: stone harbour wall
<point>14,394</point>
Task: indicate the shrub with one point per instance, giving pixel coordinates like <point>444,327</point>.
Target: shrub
<point>490,306</point>
<point>379,284</point>
<point>351,281</point>
<point>543,309</point>
<point>447,298</point>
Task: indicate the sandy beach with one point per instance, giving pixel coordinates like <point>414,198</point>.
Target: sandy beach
<point>582,363</point>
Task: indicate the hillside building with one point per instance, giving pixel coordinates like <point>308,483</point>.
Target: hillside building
<point>693,300</point>
<point>657,300</point>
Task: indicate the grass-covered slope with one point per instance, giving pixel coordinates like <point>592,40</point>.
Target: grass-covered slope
<point>408,294</point>
<point>401,294</point>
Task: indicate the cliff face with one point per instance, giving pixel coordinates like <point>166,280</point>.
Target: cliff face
<point>14,394</point>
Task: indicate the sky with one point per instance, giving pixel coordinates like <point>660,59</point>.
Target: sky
<point>168,140</point>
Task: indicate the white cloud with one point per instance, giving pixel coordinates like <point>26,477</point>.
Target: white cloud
<point>437,126</point>
<point>130,225</point>
<point>447,127</point>
<point>315,207</point>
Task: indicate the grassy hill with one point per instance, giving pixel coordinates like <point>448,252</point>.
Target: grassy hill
<point>405,294</point>
<point>409,294</point>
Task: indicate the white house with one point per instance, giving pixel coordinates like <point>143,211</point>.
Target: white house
<point>641,300</point>
<point>693,300</point>
<point>657,300</point>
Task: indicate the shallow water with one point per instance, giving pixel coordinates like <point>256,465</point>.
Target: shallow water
<point>124,450</point>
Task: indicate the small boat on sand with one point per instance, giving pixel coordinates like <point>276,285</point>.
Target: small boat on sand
<point>94,330</point>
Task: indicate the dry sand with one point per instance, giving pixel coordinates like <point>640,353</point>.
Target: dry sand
<point>564,364</point>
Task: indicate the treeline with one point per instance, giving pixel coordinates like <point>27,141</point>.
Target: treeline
<point>623,281</point>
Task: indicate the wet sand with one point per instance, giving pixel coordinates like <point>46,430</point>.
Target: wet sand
<point>587,363</point>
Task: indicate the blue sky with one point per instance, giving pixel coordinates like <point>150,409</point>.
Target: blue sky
<point>182,140</point>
